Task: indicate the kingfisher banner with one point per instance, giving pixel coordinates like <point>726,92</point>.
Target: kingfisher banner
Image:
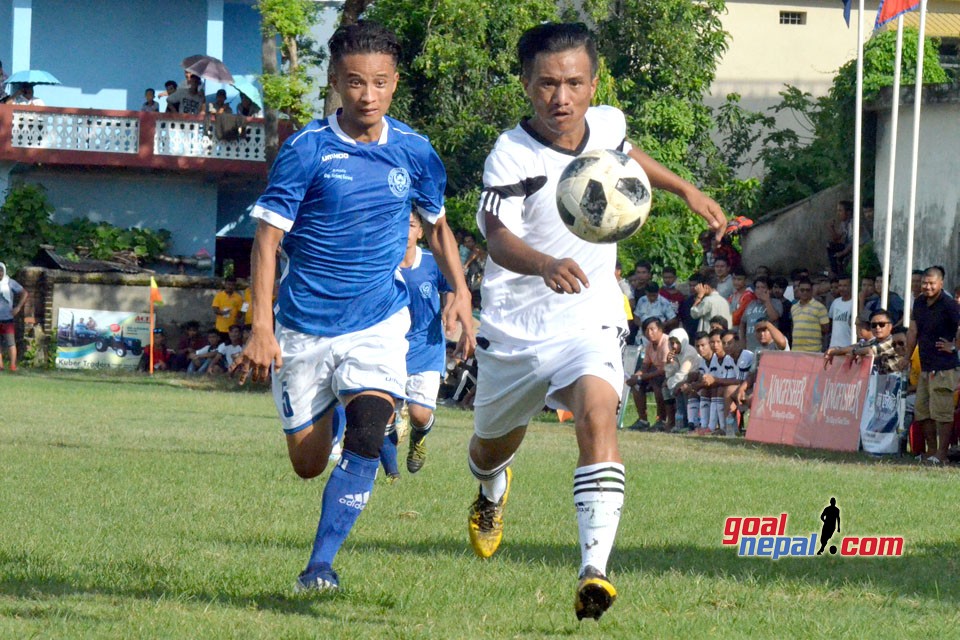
<point>881,415</point>
<point>799,401</point>
<point>94,339</point>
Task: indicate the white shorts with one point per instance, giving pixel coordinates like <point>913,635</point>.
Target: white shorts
<point>514,383</point>
<point>422,388</point>
<point>318,371</point>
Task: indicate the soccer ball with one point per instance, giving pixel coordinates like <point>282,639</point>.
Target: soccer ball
<point>603,196</point>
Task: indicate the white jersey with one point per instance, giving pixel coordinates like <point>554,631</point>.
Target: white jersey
<point>520,180</point>
<point>745,364</point>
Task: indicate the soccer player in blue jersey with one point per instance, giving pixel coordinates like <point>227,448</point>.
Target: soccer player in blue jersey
<point>339,197</point>
<point>426,353</point>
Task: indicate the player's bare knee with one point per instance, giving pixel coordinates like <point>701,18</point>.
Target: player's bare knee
<point>419,416</point>
<point>367,418</point>
<point>308,469</point>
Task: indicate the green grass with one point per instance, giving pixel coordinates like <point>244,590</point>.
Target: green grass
<point>137,508</point>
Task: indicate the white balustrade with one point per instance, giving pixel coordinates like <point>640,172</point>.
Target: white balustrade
<point>195,139</point>
<point>75,132</point>
<point>117,134</point>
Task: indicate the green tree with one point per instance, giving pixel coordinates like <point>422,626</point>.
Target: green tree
<point>820,155</point>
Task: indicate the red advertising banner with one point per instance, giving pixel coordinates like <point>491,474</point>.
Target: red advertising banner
<point>797,401</point>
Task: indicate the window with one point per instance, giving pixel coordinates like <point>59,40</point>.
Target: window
<point>793,17</point>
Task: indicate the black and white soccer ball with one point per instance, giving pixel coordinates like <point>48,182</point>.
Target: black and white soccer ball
<point>604,196</point>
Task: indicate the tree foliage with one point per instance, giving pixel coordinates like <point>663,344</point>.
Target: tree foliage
<point>821,154</point>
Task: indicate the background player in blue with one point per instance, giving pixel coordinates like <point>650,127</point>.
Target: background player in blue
<point>426,350</point>
<point>339,196</point>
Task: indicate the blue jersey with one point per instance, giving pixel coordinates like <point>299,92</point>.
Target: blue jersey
<point>425,283</point>
<point>345,207</point>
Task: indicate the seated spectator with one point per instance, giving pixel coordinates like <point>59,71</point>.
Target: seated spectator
<point>696,395</point>
<point>652,305</point>
<point>682,360</point>
<point>669,289</point>
<point>763,307</point>
<point>708,303</point>
<point>188,99</point>
<point>170,87</point>
<point>229,350</point>
<point>226,308</point>
<point>741,297</point>
<point>190,341</point>
<point>207,356</point>
<point>162,355</point>
<point>23,95</point>
<point>885,357</point>
<point>247,108</point>
<point>219,104</point>
<point>719,382</point>
<point>810,320</point>
<point>649,375</point>
<point>149,104</point>
<point>745,361</point>
<point>769,338</point>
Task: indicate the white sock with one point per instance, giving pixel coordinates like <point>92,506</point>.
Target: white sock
<point>598,497</point>
<point>493,482</point>
<point>716,411</point>
<point>693,412</point>
<point>704,411</point>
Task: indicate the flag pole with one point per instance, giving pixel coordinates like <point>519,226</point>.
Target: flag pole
<point>892,171</point>
<point>857,143</point>
<point>912,207</point>
<point>151,334</point>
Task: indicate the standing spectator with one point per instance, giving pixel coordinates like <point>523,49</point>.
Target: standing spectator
<point>796,275</point>
<point>3,84</point>
<point>170,88</point>
<point>669,289</point>
<point>624,284</point>
<point>219,104</point>
<point>247,107</point>
<point>149,104</point>
<point>188,99</point>
<point>187,347</point>
<point>894,301</point>
<point>778,287</point>
<point>724,279</point>
<point>23,95</point>
<point>935,320</point>
<point>688,322</point>
<point>226,308</point>
<point>741,297</point>
<point>810,319</point>
<point>841,312</point>
<point>652,305</point>
<point>12,298</point>
<point>764,307</point>
<point>824,289</point>
<point>841,238</point>
<point>915,279</point>
<point>708,303</point>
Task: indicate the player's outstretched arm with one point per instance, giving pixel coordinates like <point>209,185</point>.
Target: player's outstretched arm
<point>562,275</point>
<point>458,307</point>
<point>262,349</point>
<point>701,204</point>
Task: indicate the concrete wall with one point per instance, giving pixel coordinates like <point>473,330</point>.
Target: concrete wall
<point>106,52</point>
<point>794,237</point>
<point>936,238</point>
<point>184,204</point>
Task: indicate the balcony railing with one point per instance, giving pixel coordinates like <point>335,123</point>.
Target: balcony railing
<point>127,138</point>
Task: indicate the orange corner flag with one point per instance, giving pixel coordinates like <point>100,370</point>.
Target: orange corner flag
<point>155,297</point>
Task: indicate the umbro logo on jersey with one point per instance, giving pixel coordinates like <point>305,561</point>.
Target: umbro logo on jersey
<point>335,156</point>
<point>356,500</point>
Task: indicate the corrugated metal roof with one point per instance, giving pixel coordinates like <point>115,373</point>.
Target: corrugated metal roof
<point>939,25</point>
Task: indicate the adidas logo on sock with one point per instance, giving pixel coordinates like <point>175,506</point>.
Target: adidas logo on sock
<point>356,500</point>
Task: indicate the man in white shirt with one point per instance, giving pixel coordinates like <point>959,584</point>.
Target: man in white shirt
<point>840,314</point>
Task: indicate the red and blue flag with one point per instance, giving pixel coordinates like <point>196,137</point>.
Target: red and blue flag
<point>890,9</point>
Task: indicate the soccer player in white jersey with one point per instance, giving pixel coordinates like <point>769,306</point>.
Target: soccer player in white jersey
<point>339,197</point>
<point>553,316</point>
<point>426,351</point>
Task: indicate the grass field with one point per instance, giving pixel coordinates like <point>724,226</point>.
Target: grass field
<point>136,508</point>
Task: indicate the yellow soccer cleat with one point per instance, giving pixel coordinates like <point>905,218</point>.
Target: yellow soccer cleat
<point>595,594</point>
<point>486,522</point>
